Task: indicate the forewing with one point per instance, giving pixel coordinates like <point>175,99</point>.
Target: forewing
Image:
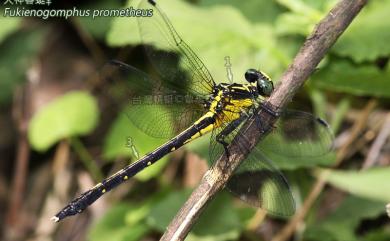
<point>155,109</point>
<point>157,34</point>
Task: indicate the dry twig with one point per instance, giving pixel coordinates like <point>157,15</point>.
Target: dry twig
<point>376,147</point>
<point>21,112</point>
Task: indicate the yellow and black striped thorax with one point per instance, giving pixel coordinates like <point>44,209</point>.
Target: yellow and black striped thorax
<point>231,96</point>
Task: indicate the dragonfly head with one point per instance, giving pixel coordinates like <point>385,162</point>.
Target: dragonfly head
<point>262,81</point>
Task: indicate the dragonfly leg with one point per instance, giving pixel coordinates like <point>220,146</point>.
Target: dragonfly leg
<point>221,140</point>
<point>270,109</point>
<point>221,137</point>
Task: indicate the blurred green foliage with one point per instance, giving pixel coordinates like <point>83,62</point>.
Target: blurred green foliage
<point>9,26</point>
<point>364,80</point>
<point>342,223</point>
<point>61,120</point>
<point>367,39</point>
<point>362,183</point>
<point>260,34</point>
<point>98,27</point>
<point>226,221</point>
<point>18,50</point>
<point>113,226</point>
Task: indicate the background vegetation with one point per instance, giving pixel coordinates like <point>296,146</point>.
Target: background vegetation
<point>58,137</point>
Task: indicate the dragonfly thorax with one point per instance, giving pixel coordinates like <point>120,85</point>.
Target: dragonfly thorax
<point>231,96</point>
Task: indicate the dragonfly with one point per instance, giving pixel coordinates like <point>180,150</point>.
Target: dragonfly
<point>186,99</point>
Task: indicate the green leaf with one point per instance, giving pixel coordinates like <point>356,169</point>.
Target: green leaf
<point>340,225</point>
<point>163,212</point>
<point>318,99</point>
<point>292,23</point>
<point>220,220</point>
<point>75,113</point>
<point>357,80</point>
<point>300,7</point>
<point>255,11</point>
<point>124,31</point>
<point>368,183</point>
<point>302,17</point>
<point>141,212</point>
<point>338,116</point>
<point>21,48</point>
<point>322,5</point>
<point>227,235</point>
<point>115,145</point>
<point>8,26</point>
<point>98,26</point>
<point>368,36</point>
<point>138,214</point>
<point>113,226</point>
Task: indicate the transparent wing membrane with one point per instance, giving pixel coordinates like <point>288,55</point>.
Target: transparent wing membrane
<point>171,56</point>
<point>256,181</point>
<point>163,107</point>
<point>298,134</point>
<point>155,109</point>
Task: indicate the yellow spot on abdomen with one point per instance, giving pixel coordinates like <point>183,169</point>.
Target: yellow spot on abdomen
<point>125,177</point>
<point>104,190</point>
<point>149,163</point>
<point>173,148</point>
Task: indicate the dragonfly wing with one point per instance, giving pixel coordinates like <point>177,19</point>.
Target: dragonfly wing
<point>257,182</point>
<point>160,121</point>
<point>158,34</point>
<point>298,134</point>
<point>155,109</point>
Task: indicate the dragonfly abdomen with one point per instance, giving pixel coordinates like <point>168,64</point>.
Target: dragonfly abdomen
<point>87,198</point>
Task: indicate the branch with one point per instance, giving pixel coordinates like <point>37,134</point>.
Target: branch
<point>21,113</point>
<point>380,141</point>
<point>313,50</point>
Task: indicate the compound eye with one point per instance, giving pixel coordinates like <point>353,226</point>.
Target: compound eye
<point>251,75</point>
<point>265,87</point>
